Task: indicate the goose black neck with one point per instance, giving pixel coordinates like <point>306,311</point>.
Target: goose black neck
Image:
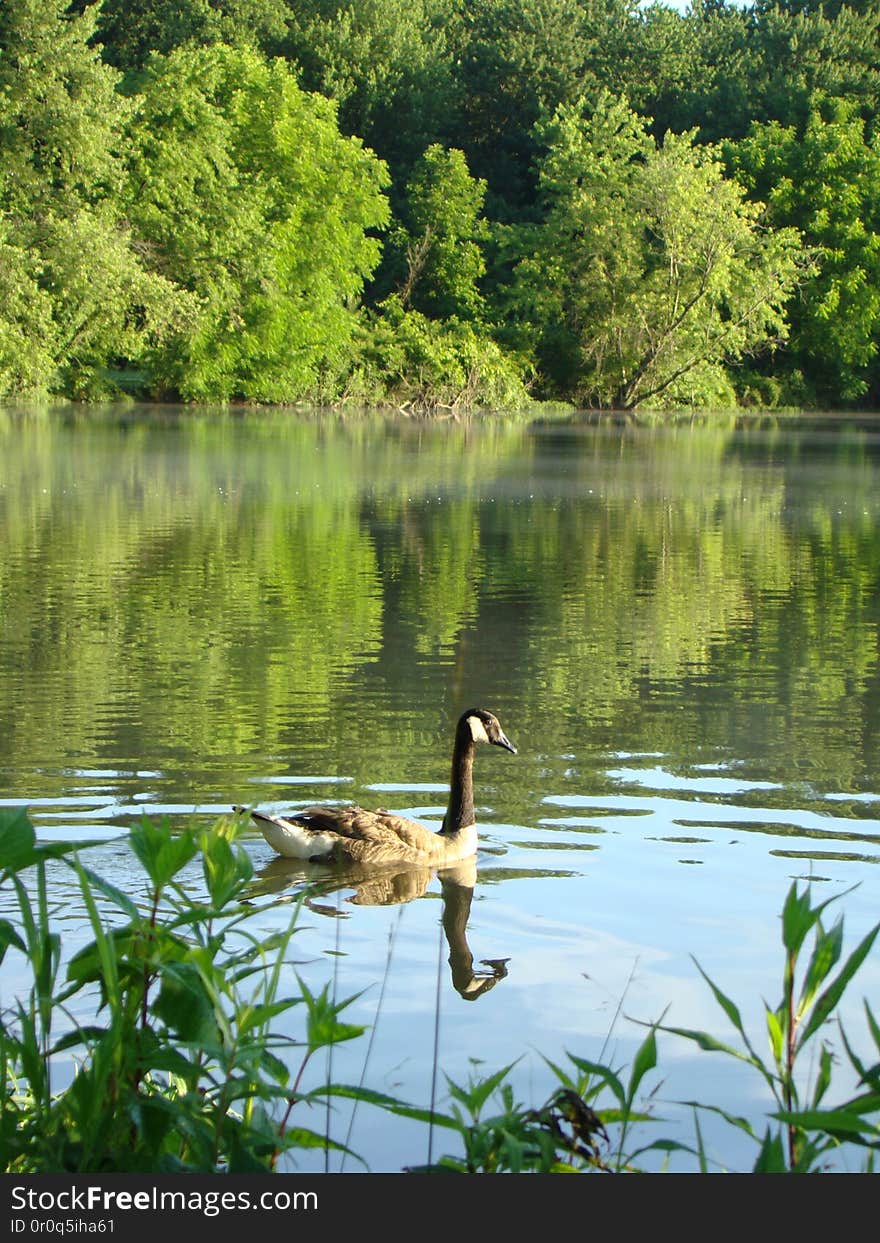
<point>460,812</point>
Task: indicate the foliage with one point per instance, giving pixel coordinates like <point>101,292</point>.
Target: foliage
<point>764,63</point>
<point>421,365</point>
<point>439,254</point>
<point>129,32</point>
<point>519,60</point>
<point>568,1134</point>
<point>572,1131</point>
<point>812,51</point>
<point>826,183</point>
<point>808,1130</point>
<point>649,266</point>
<point>132,220</point>
<point>387,64</point>
<point>73,290</point>
<point>242,188</point>
<point>183,1068</point>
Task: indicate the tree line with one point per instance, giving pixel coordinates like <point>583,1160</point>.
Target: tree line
<point>441,203</point>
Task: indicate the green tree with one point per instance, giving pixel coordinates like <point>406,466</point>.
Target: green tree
<point>243,189</point>
<point>387,64</point>
<point>650,271</point>
<point>826,183</point>
<point>129,30</point>
<point>802,53</point>
<point>73,294</point>
<point>765,63</point>
<point>519,60</point>
<point>440,250</point>
<point>660,59</point>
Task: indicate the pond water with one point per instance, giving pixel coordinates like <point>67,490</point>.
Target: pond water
<point>677,625</point>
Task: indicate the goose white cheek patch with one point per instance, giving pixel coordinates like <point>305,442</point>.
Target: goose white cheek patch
<point>478,729</point>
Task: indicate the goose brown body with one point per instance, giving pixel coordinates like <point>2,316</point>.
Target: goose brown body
<point>329,834</point>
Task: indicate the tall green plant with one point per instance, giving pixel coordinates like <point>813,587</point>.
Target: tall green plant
<point>595,1119</point>
<point>825,181</point>
<point>183,1067</point>
<point>568,1134</point>
<point>807,1129</point>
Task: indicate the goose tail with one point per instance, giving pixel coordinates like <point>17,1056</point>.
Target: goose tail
<point>290,837</point>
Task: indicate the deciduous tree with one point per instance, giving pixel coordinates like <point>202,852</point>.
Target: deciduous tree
<point>826,183</point>
<point>74,295</point>
<point>243,190</point>
<point>650,271</point>
<point>441,259</point>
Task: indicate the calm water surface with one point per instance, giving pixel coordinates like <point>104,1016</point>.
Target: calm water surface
<point>677,626</point>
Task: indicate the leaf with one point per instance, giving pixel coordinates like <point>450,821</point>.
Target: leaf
<point>873,1026</point>
<point>775,1032</point>
<point>17,840</point>
<point>8,936</point>
<point>797,918</point>
<point>771,1158</point>
<point>250,1017</point>
<point>725,1002</point>
<point>563,1077</point>
<point>86,964</point>
<point>476,1094</point>
<point>865,1074</point>
<point>400,1108</point>
<point>80,1035</point>
<point>160,852</point>
<point>661,1145</point>
<point>707,1042</point>
<point>829,999</point>
<point>184,1003</point>
<point>832,1121</point>
<point>825,954</point>
<point>299,1137</point>
<point>122,900</point>
<point>645,1060</point>
<point>19,847</point>
<point>607,1076</point>
<point>278,1069</point>
<point>322,1026</point>
<point>742,1124</point>
<point>227,869</point>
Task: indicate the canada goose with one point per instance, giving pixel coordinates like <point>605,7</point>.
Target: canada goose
<point>331,834</point>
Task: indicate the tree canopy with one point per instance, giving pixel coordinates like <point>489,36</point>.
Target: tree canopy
<point>441,201</point>
<point>650,270</point>
<point>245,192</point>
<point>74,292</point>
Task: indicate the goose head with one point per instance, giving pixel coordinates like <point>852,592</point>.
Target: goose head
<point>484,726</point>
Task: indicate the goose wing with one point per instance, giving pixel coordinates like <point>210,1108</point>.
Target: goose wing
<point>373,829</point>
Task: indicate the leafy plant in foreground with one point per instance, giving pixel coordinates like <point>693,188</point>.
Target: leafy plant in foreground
<point>575,1131</point>
<point>569,1133</point>
<point>183,1068</point>
<point>808,1129</point>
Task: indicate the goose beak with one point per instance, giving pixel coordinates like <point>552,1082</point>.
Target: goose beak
<point>503,741</point>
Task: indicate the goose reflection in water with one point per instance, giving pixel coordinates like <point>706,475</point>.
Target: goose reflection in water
<point>393,887</point>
